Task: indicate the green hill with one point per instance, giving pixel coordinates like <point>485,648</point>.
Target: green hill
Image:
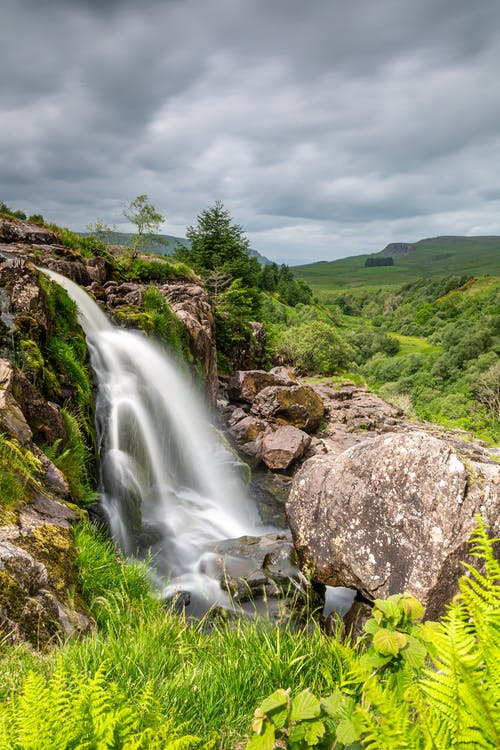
<point>433,257</point>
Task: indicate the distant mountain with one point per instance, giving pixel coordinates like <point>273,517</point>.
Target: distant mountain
<point>432,257</point>
<point>166,244</point>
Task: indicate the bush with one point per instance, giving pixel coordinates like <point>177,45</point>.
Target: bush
<point>315,347</point>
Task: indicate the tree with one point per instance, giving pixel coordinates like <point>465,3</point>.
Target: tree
<point>217,244</point>
<point>147,220</point>
<point>315,347</point>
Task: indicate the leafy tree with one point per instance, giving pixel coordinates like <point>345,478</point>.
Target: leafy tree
<point>315,347</point>
<point>147,221</point>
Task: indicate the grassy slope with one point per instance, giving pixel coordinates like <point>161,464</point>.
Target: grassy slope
<point>438,256</point>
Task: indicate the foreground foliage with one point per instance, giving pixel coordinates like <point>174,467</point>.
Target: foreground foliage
<point>147,676</point>
<point>409,686</point>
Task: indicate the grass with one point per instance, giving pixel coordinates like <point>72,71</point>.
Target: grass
<point>207,676</point>
<point>433,257</point>
<point>414,345</point>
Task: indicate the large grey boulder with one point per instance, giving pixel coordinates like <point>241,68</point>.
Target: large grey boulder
<point>393,513</point>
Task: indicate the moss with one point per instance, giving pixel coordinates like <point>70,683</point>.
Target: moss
<point>54,547</point>
<point>12,596</point>
<point>20,473</point>
<point>130,317</point>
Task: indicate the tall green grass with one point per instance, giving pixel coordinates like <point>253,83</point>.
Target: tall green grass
<point>206,676</point>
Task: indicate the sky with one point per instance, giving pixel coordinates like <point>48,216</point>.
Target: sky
<point>328,128</point>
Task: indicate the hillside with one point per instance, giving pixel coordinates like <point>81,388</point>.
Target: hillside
<point>430,258</point>
<point>166,244</point>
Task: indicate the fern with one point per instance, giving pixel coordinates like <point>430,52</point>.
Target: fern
<point>463,695</point>
<point>71,710</point>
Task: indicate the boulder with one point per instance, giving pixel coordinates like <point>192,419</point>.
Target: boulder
<point>394,513</point>
<point>244,385</point>
<point>26,297</point>
<point>98,269</point>
<point>284,446</point>
<point>12,230</point>
<point>248,428</point>
<point>72,269</point>
<point>298,405</point>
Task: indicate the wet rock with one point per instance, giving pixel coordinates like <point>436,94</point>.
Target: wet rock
<point>74,270</point>
<point>393,514</point>
<point>298,405</point>
<point>251,566</point>
<point>284,446</point>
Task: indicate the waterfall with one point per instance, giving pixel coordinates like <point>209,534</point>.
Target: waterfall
<point>166,482</point>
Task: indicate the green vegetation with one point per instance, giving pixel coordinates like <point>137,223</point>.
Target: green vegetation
<point>430,258</point>
<point>281,281</point>
<point>447,330</point>
<point>408,685</point>
<point>146,220</point>
<point>402,685</point>
<point>20,473</point>
<point>315,347</point>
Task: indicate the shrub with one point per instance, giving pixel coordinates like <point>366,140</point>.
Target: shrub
<point>315,347</point>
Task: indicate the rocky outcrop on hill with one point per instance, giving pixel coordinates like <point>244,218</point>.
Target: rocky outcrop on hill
<point>394,513</point>
<point>25,233</point>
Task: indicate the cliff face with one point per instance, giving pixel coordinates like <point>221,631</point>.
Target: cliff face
<point>46,410</point>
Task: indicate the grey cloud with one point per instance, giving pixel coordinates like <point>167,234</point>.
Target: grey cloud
<point>347,123</point>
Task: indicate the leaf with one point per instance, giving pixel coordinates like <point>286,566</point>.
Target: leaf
<point>412,607</point>
<point>258,720</point>
<point>430,630</point>
<point>374,660</point>
<point>305,706</point>
<point>389,641</point>
<point>391,608</point>
<point>264,741</point>
<point>275,707</point>
<point>414,652</point>
<point>371,626</point>
<point>314,731</point>
<point>348,731</point>
<point>334,704</point>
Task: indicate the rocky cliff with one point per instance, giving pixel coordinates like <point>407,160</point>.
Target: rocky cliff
<point>46,414</point>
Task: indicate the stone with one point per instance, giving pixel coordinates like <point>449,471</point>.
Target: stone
<point>248,428</point>
<point>74,270</point>
<point>98,269</point>
<point>284,446</point>
<point>22,405</point>
<point>393,513</point>
<point>12,230</point>
<point>190,302</point>
<point>244,385</point>
<point>253,566</point>
<point>298,405</point>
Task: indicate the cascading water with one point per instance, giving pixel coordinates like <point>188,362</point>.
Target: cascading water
<point>167,486</point>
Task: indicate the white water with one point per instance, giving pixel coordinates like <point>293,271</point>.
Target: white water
<point>167,485</point>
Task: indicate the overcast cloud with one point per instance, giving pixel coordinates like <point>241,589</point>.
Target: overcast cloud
<point>328,128</point>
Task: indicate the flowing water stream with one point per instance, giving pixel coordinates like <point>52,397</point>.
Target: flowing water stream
<point>167,485</point>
